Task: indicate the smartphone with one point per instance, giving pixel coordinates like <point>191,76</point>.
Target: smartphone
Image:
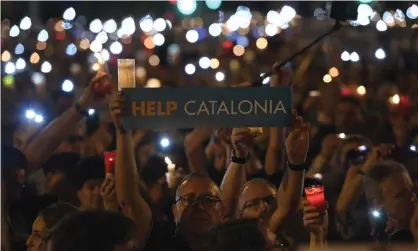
<point>357,156</point>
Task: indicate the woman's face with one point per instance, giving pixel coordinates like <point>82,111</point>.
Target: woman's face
<point>35,239</point>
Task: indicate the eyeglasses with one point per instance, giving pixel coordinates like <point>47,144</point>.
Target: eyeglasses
<point>269,200</point>
<point>205,200</point>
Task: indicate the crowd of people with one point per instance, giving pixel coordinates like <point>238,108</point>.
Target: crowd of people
<point>236,191</point>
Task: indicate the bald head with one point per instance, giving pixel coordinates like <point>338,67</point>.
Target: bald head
<point>256,188</point>
<point>198,183</point>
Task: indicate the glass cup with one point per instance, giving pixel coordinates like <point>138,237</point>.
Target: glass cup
<point>126,73</point>
<point>315,196</point>
<point>109,158</point>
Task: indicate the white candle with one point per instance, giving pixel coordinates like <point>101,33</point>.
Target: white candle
<point>126,73</point>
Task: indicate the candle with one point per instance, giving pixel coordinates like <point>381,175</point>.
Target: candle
<point>126,73</point>
<point>315,196</point>
<point>109,158</point>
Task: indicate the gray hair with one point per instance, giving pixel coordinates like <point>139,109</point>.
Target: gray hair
<point>378,173</point>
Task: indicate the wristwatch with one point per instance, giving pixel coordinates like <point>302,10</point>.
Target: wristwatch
<point>239,160</point>
<point>81,110</point>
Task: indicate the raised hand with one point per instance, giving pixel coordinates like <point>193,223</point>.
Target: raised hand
<point>378,153</point>
<point>117,109</point>
<point>281,77</point>
<point>297,143</point>
<point>92,95</point>
<point>242,140</point>
<point>108,194</point>
<point>313,219</point>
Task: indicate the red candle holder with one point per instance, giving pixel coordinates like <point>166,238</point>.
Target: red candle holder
<point>315,196</point>
<point>109,158</point>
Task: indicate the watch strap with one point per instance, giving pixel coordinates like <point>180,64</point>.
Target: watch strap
<point>81,110</point>
<point>293,167</point>
<point>239,160</point>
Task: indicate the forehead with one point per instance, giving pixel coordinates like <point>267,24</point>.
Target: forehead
<point>257,190</point>
<point>198,186</point>
<point>395,183</point>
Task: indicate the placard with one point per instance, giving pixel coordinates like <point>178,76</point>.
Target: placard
<point>191,107</point>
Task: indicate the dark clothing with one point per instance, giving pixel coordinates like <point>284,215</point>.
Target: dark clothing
<point>402,236</point>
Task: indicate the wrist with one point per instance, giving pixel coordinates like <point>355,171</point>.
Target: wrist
<point>317,237</point>
<point>239,158</point>
<point>296,166</point>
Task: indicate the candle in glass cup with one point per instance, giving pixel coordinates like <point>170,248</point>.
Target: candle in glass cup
<point>109,158</point>
<point>126,73</point>
<point>315,196</point>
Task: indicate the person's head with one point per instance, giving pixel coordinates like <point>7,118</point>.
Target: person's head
<point>146,148</point>
<point>93,231</point>
<point>153,174</point>
<point>46,219</point>
<point>397,192</point>
<point>87,177</point>
<point>57,169</point>
<point>244,235</point>
<point>198,206</point>
<point>13,163</point>
<point>348,115</point>
<point>349,143</point>
<point>257,199</point>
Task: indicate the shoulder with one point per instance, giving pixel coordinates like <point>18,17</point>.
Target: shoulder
<point>161,237</point>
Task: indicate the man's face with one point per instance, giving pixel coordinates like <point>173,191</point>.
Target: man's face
<point>398,197</point>
<point>257,200</point>
<point>347,116</point>
<point>89,194</point>
<point>198,205</point>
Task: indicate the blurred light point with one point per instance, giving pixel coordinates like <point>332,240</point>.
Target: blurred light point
<point>110,26</point>
<point>158,39</point>
<point>333,72</point>
<point>30,114</point>
<point>20,64</point>
<point>354,57</point>
<point>146,24</point>
<point>341,135</point>
<point>116,48</point>
<point>213,4</point>
<point>204,62</point>
<point>345,56</point>
<point>215,29</point>
<point>380,53</point>
<point>6,56</point>
<point>186,7</point>
<point>67,86</point>
<point>43,36</point>
<point>153,83</point>
<point>327,78</point>
<point>261,43</point>
<point>395,99</point>
<point>19,49</point>
<point>190,69</point>
<point>164,142</point>
<point>69,14</point>
<point>39,118</point>
<point>38,78</point>
<point>381,26</point>
<point>10,68</point>
<point>160,24</point>
<point>154,60</point>
<point>71,49</point>
<point>25,24</point>
<point>214,63</point>
<point>91,112</point>
<point>219,76</point>
<point>192,36</point>
<point>14,31</point>
<point>96,26</point>
<point>361,90</point>
<point>46,67</point>
<point>34,58</point>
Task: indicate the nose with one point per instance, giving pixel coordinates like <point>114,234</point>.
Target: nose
<point>263,207</point>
